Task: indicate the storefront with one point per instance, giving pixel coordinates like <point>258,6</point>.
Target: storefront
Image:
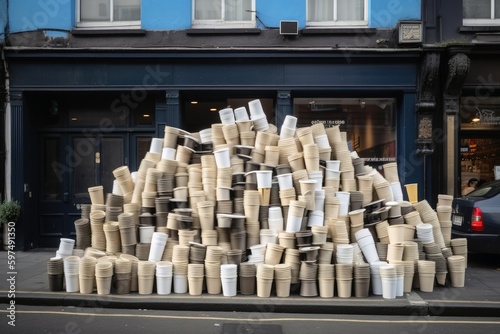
<point>75,119</point>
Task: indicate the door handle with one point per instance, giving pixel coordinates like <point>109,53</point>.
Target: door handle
<point>65,197</point>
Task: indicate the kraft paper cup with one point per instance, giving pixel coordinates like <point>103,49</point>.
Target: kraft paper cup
<point>96,194</point>
<point>264,287</point>
<point>412,192</point>
<point>344,288</point>
<point>326,287</point>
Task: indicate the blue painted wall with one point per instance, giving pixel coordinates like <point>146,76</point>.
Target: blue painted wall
<point>3,19</point>
<point>29,15</point>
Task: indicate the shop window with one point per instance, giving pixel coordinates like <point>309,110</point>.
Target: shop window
<point>369,124</point>
<point>108,13</point>
<point>323,13</point>
<point>479,113</point>
<point>481,12</point>
<point>223,13</point>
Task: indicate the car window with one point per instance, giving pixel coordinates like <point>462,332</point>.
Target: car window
<point>486,191</point>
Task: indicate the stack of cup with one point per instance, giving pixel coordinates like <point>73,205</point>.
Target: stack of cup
<point>180,261</point>
<point>195,274</point>
<point>133,273</point>
<point>400,273</point>
<point>87,274</point>
<point>170,138</point>
<point>365,241</point>
<point>55,271</point>
<point>227,116</point>
<point>308,276</point>
<point>344,201</point>
<point>395,252</point>
<point>365,186</point>
<point>292,257</point>
<point>123,275</point>
<point>83,233</point>
<point>375,277</point>
<point>212,269</point>
<point>282,279</point>
<point>356,218</point>
<point>112,234</point>
<point>344,275</point>
<point>288,127</point>
<point>96,195</point>
<point>146,276</point>
<point>258,116</point>
<point>273,254</point>
<point>71,273</point>
<point>247,278</point>
<point>426,275</point>
<point>164,277</point>
<point>325,253</point>
<point>456,266</point>
<point>103,276</point>
<point>128,235</point>
<point>344,254</point>
<point>264,183</point>
<point>97,218</point>
<point>311,157</point>
<point>361,279</point>
<point>319,234</point>
<point>459,247</point>
<point>338,231</point>
<point>265,275</point>
<point>275,219</point>
<point>257,253</point>
<point>66,247</point>
<point>229,279</point>
<point>424,233</point>
<point>389,280</point>
<point>295,214</point>
<point>332,207</point>
<point>158,243</point>
<point>326,280</point>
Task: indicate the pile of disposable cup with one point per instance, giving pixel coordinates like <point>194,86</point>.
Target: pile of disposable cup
<point>426,275</point>
<point>308,276</point>
<point>265,275</point>
<point>326,280</point>
<point>195,274</point>
<point>180,261</point>
<point>229,279</point>
<point>87,274</point>
<point>164,275</point>
<point>66,247</point>
<point>282,279</point>
<point>459,247</point>
<point>389,280</point>
<point>247,278</point>
<point>71,273</point>
<point>365,241</point>
<point>55,271</point>
<point>376,279</point>
<point>146,276</point>
<point>456,267</point>
<point>344,277</point>
<point>158,243</point>
<point>344,254</point>
<point>123,275</point>
<point>424,233</point>
<point>103,277</point>
<point>273,253</point>
<point>361,279</point>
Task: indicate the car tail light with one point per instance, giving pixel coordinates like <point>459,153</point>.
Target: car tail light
<point>476,223</point>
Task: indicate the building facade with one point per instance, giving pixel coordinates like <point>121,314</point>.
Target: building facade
<point>91,82</point>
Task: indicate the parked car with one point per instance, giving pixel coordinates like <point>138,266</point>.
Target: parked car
<point>476,217</point>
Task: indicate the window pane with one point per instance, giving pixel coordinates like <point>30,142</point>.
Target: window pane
<point>111,158</point>
<point>143,144</point>
<point>207,10</point>
<point>53,170</point>
<point>237,10</point>
<point>127,10</point>
<point>477,9</point>
<point>369,124</point>
<point>84,162</point>
<point>497,9</point>
<point>94,10</point>
<point>350,10</point>
<point>320,10</point>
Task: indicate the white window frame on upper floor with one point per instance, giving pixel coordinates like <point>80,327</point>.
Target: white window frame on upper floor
<point>222,23</point>
<point>492,21</point>
<point>339,23</point>
<point>136,24</point>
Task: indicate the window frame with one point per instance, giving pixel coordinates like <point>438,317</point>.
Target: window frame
<point>492,21</point>
<point>222,24</point>
<point>337,23</point>
<point>136,24</point>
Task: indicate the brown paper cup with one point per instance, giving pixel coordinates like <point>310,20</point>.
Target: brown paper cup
<point>103,285</point>
<point>264,287</point>
<point>457,279</point>
<point>214,285</point>
<point>326,288</point>
<point>282,287</point>
<point>344,288</point>
<point>195,285</point>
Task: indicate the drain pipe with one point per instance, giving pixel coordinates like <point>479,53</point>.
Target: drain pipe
<point>7,128</point>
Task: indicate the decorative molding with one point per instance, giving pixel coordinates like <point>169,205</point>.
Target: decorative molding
<point>429,83</point>
<point>458,68</point>
<point>451,105</point>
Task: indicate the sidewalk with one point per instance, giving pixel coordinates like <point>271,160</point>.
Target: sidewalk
<point>479,297</point>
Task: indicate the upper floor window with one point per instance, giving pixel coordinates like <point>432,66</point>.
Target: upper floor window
<point>224,13</point>
<point>109,13</point>
<point>323,13</point>
<point>481,12</point>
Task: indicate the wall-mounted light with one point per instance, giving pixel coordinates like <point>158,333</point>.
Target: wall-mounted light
<point>476,119</point>
<point>194,102</point>
<point>213,109</point>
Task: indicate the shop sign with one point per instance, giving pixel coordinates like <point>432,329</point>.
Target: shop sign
<point>487,117</point>
<point>329,123</point>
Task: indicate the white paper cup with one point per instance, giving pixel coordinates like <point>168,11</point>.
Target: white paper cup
<point>241,114</point>
<point>222,158</point>
<point>146,234</point>
<point>180,284</point>
<point>264,178</point>
<point>164,285</point>
<point>156,145</point>
<point>168,153</point>
<point>285,181</point>
<point>229,286</point>
<point>290,121</point>
<point>227,116</point>
<point>72,283</point>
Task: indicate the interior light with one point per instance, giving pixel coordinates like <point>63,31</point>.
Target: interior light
<point>194,102</point>
<point>145,115</point>
<point>74,119</point>
<point>476,119</point>
<point>213,109</point>
<point>312,102</point>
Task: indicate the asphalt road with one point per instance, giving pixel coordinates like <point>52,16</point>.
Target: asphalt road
<point>42,319</point>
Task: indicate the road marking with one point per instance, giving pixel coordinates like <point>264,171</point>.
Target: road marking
<point>153,316</point>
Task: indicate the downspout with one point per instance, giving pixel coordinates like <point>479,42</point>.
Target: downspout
<point>7,124</point>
